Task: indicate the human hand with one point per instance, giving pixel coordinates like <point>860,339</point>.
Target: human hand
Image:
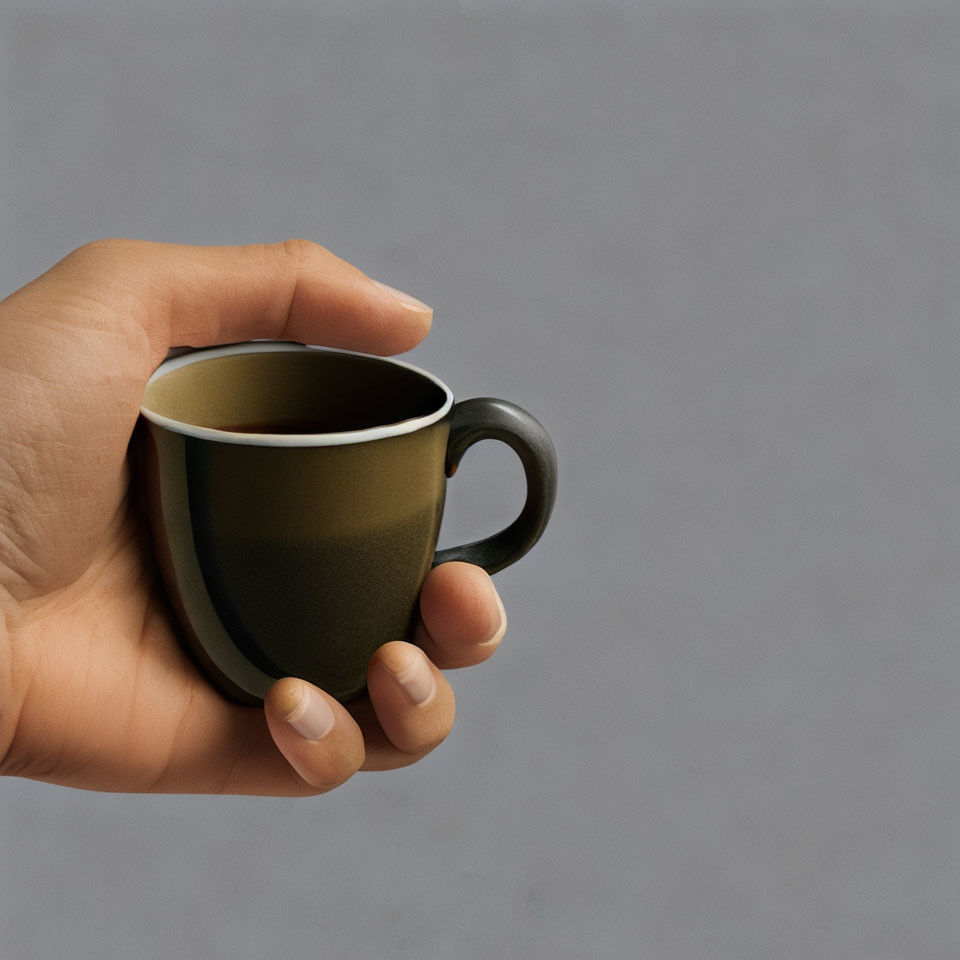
<point>95,690</point>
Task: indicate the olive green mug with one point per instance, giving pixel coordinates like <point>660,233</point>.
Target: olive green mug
<point>295,496</point>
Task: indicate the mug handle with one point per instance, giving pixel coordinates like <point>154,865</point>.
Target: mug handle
<point>485,418</point>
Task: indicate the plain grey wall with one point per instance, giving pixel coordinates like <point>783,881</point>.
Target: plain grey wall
<point>714,247</point>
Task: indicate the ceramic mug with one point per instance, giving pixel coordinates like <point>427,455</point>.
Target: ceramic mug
<point>295,497</point>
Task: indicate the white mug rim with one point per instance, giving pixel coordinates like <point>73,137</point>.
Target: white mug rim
<point>295,439</point>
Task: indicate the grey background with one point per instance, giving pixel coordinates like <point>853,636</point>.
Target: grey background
<point>714,247</point>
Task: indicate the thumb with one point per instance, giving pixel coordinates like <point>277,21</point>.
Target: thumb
<point>198,296</point>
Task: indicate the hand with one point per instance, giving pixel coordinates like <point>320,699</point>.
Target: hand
<point>95,690</point>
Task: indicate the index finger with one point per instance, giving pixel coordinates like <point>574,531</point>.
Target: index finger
<point>199,296</point>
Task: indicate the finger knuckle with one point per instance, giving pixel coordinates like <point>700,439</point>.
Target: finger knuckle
<point>103,251</point>
<point>300,249</point>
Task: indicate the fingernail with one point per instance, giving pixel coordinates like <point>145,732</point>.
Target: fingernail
<point>412,302</point>
<point>311,716</point>
<point>501,620</point>
<point>416,678</point>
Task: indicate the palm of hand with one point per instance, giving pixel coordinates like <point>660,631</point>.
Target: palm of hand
<point>89,613</point>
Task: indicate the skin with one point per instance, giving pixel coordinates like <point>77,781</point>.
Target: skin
<point>95,690</point>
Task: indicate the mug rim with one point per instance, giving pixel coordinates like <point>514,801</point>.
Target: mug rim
<point>291,439</point>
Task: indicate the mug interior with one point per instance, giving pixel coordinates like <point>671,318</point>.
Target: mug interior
<point>255,389</point>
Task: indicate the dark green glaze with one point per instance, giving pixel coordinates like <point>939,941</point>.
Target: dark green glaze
<point>303,560</point>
